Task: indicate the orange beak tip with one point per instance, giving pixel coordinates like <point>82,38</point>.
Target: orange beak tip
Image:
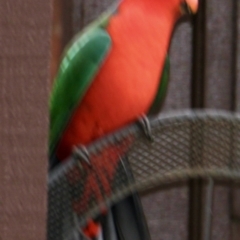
<point>193,4</point>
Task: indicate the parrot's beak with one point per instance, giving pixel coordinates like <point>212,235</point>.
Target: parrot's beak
<point>189,7</point>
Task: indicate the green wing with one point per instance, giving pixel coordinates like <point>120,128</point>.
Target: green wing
<point>80,64</point>
<point>162,89</point>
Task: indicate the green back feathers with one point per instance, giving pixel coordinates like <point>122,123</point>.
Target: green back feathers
<point>162,89</point>
<point>77,70</point>
<point>81,62</point>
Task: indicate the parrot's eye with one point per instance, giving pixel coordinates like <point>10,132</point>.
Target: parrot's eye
<point>185,9</point>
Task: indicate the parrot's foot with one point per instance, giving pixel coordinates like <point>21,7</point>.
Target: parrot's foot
<point>81,153</point>
<point>146,126</point>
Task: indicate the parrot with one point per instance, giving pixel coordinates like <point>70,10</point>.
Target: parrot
<point>113,72</point>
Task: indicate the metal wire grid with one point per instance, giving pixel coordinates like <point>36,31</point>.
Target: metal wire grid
<point>185,145</point>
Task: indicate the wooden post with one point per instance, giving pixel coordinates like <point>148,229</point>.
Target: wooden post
<point>24,80</point>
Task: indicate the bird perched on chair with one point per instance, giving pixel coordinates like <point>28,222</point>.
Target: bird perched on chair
<point>112,72</point>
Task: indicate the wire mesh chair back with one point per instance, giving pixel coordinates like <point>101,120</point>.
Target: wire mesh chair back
<point>185,145</point>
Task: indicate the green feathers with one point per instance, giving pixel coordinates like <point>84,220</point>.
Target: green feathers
<point>81,62</point>
<point>78,68</point>
<point>162,89</point>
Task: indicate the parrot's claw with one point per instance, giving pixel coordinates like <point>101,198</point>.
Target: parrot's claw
<point>81,153</point>
<point>146,126</point>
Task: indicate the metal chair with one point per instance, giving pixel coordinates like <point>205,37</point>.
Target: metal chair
<point>185,145</point>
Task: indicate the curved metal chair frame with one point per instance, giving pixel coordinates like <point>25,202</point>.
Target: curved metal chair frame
<point>185,145</point>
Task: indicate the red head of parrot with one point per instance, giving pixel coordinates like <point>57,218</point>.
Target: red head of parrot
<point>125,81</point>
